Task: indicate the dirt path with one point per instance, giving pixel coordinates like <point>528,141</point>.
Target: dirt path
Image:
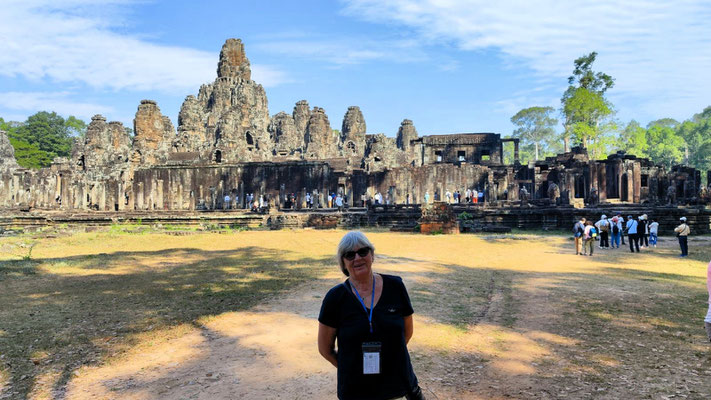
<point>270,352</point>
<point>522,336</point>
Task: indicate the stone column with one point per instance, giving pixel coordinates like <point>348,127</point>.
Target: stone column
<point>636,182</point>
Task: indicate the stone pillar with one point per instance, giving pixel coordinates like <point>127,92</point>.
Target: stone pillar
<point>240,193</point>
<point>516,160</point>
<point>636,182</point>
<point>602,182</point>
<point>140,203</point>
<point>102,197</point>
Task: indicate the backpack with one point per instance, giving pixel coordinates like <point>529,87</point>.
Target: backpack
<point>615,229</point>
<point>578,229</point>
<point>593,232</point>
<point>604,227</point>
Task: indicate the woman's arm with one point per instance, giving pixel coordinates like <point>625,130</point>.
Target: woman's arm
<point>327,343</point>
<point>409,328</point>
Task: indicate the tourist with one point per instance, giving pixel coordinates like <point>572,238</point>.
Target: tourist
<point>603,226</point>
<point>475,196</point>
<point>481,196</point>
<point>682,231</point>
<point>578,231</point>
<point>653,229</point>
<point>226,204</point>
<point>372,358</point>
<point>622,233</point>
<point>589,235</point>
<point>468,196</point>
<point>448,196</point>
<point>616,232</point>
<point>339,202</point>
<point>632,226</point>
<point>643,231</point>
<point>707,320</point>
<point>308,199</point>
<point>427,197</point>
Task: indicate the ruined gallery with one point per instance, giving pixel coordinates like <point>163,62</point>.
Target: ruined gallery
<point>226,143</point>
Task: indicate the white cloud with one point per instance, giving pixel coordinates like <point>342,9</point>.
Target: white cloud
<point>70,41</point>
<point>659,52</point>
<point>59,102</point>
<point>342,51</point>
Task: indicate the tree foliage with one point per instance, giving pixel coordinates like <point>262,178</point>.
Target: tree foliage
<point>536,126</point>
<point>42,137</point>
<point>583,105</point>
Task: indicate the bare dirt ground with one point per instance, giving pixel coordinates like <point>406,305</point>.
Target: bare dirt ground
<point>497,317</point>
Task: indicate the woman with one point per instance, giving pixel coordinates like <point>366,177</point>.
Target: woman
<point>371,317</point>
<point>589,238</point>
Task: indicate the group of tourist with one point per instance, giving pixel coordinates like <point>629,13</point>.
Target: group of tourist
<point>642,232</point>
<point>470,196</point>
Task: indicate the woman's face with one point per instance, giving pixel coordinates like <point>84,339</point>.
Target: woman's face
<point>360,266</point>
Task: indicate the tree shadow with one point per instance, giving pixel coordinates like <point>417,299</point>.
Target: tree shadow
<point>53,320</point>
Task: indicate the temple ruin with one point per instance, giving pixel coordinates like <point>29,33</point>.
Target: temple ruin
<point>226,143</point>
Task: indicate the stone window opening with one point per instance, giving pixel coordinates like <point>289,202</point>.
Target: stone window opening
<point>438,156</point>
<point>351,147</point>
<point>250,140</point>
<point>485,155</point>
<point>377,159</point>
<point>218,156</point>
<point>644,180</point>
<point>461,155</point>
<point>82,164</point>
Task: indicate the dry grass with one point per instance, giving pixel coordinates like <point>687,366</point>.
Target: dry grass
<point>497,315</point>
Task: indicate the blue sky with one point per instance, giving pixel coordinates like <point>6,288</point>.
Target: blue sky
<point>450,66</point>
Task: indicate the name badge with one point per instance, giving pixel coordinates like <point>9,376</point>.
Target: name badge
<point>371,358</point>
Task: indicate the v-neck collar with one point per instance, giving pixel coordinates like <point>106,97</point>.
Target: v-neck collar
<point>354,296</point>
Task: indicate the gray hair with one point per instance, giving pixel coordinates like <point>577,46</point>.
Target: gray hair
<point>351,240</point>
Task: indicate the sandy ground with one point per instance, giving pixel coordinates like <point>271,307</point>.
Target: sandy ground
<point>270,352</point>
<point>523,341</point>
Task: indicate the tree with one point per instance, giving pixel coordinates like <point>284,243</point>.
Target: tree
<point>29,155</point>
<point>535,126</point>
<point>668,122</point>
<point>633,140</point>
<point>583,104</point>
<point>76,127</point>
<point>696,134</point>
<point>665,146</point>
<point>44,136</point>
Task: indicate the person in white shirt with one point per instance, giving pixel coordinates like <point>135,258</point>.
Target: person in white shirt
<point>653,229</point>
<point>682,231</point>
<point>632,225</point>
<point>603,226</point>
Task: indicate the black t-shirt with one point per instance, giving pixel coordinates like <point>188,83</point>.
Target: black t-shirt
<point>342,310</point>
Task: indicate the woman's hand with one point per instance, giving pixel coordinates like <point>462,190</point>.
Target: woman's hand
<point>327,343</point>
<point>409,328</point>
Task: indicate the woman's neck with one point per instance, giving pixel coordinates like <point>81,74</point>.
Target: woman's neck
<point>366,284</point>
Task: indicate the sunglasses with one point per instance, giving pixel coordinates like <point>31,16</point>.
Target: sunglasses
<point>362,252</point>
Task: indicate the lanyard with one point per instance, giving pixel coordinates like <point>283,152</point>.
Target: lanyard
<point>372,300</point>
